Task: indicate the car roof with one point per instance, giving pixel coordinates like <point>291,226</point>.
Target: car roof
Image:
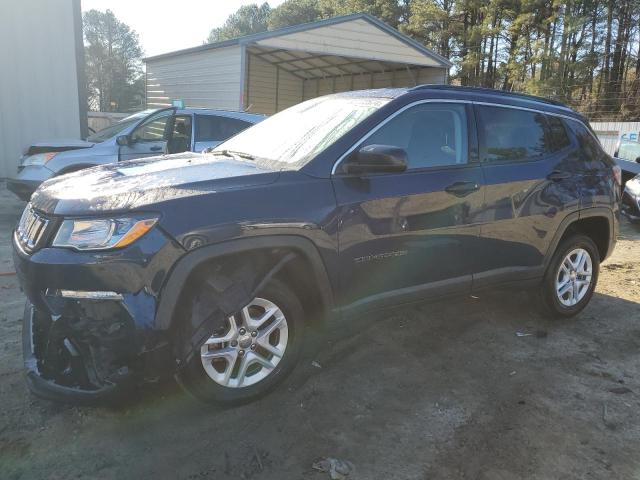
<point>501,97</point>
<point>472,94</point>
<point>249,117</point>
<point>371,93</point>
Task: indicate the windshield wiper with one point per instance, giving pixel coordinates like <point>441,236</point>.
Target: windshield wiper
<point>224,153</point>
<point>246,156</point>
<point>232,153</point>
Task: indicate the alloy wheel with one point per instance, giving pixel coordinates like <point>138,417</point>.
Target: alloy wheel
<point>573,278</point>
<point>249,350</point>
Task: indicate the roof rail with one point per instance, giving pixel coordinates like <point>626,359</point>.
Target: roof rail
<point>524,96</point>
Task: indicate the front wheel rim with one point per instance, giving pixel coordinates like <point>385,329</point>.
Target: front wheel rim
<point>574,277</point>
<point>249,350</point>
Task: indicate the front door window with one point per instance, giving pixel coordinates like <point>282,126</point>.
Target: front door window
<point>432,134</point>
<point>153,130</point>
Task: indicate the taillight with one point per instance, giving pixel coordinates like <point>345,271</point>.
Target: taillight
<point>617,175</point>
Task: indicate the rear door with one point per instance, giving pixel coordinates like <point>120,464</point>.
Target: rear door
<point>527,159</point>
<point>211,130</point>
<point>405,236</point>
<point>150,137</point>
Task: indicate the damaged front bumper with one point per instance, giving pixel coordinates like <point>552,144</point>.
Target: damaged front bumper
<point>55,369</point>
<point>89,326</point>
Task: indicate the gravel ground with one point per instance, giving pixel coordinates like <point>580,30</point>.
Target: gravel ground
<point>437,391</point>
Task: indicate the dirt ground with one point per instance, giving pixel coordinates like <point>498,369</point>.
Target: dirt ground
<point>437,391</point>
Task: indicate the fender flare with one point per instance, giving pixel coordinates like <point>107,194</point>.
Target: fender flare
<point>172,289</point>
<point>602,212</point>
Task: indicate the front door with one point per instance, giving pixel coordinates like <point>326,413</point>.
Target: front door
<point>404,236</point>
<point>150,137</point>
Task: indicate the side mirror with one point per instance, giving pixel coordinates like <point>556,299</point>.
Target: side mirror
<point>637,159</point>
<point>123,140</point>
<point>377,159</point>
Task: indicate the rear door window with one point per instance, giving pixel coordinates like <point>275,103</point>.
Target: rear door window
<point>512,135</point>
<point>211,128</point>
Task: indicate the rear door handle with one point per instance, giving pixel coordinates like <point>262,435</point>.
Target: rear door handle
<point>460,189</point>
<point>557,175</point>
<point>155,149</point>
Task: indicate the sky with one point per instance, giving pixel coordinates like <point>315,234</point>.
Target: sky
<point>171,25</point>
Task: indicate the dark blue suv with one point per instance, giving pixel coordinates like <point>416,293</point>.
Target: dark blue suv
<point>211,267</point>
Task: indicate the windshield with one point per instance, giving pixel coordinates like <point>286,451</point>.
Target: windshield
<point>116,128</point>
<point>629,151</point>
<point>297,134</point>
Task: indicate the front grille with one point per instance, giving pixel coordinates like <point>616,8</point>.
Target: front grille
<point>31,229</point>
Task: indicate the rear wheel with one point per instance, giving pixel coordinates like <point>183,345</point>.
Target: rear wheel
<point>571,277</point>
<point>258,348</point>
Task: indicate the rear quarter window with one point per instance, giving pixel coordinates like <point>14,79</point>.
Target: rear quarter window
<point>589,149</point>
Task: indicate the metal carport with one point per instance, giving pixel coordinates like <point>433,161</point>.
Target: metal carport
<point>270,71</point>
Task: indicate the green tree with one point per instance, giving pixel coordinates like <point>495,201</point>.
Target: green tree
<point>247,20</point>
<point>434,23</point>
<point>393,12</point>
<point>294,12</point>
<point>113,63</point>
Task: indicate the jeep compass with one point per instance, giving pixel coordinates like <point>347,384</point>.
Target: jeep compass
<point>211,267</point>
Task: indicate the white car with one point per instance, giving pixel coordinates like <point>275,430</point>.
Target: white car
<point>143,134</point>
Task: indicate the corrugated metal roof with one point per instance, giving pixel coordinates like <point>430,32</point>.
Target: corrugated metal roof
<point>310,26</point>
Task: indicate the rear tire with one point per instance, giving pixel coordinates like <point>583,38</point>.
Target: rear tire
<point>220,380</point>
<point>571,277</point>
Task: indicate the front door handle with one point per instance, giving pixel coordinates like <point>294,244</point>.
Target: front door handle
<point>557,175</point>
<point>460,189</point>
<point>155,149</point>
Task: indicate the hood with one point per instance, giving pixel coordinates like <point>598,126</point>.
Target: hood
<point>138,184</point>
<point>57,146</point>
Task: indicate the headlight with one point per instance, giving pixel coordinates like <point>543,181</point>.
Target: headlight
<point>102,233</point>
<point>633,186</point>
<point>38,159</point>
